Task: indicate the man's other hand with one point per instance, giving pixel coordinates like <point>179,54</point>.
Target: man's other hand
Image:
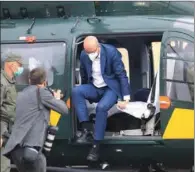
<point>122,104</point>
<point>57,94</point>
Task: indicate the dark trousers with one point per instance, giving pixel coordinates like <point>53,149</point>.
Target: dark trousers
<point>38,166</point>
<point>105,97</point>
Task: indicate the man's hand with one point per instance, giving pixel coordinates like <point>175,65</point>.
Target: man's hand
<point>57,94</point>
<point>122,104</point>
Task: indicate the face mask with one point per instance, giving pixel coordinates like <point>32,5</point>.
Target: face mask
<point>93,56</point>
<point>19,71</point>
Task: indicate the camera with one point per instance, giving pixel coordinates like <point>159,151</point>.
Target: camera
<point>51,133</point>
<point>57,92</point>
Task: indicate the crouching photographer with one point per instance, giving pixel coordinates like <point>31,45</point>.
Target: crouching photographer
<point>30,129</point>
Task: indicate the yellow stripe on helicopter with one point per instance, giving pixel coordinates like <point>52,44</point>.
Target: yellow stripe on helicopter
<point>180,125</point>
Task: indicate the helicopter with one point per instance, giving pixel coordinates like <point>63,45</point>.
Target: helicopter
<point>156,42</point>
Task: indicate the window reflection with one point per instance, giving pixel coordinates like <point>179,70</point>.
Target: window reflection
<point>180,91</point>
<point>51,56</point>
<point>179,69</point>
<point>180,49</point>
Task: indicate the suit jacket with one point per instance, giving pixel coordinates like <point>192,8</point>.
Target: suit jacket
<point>31,121</point>
<point>112,69</point>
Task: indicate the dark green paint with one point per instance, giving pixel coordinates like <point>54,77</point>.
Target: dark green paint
<point>166,114</point>
<point>65,151</point>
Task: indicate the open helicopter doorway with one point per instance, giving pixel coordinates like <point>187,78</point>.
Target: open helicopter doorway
<point>140,55</point>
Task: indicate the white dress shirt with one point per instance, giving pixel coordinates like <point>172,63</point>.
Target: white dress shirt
<point>98,80</point>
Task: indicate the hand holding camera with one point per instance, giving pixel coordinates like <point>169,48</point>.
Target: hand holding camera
<point>57,94</point>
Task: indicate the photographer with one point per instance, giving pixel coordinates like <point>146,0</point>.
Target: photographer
<point>33,107</point>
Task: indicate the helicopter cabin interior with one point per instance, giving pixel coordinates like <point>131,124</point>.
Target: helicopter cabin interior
<point>140,55</point>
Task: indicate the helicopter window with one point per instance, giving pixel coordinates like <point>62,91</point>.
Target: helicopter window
<point>113,8</point>
<point>51,56</point>
<point>180,91</point>
<point>182,72</point>
<point>180,49</point>
<point>179,64</point>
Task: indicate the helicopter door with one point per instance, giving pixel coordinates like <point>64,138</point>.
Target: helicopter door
<point>145,67</point>
<point>177,85</point>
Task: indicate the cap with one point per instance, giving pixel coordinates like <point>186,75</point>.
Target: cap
<point>13,58</point>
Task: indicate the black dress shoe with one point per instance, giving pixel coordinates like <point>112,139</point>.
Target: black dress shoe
<point>93,154</point>
<point>86,136</point>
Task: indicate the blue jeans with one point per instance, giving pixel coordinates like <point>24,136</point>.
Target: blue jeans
<point>105,97</point>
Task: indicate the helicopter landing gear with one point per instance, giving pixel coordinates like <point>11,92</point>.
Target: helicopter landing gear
<point>158,167</point>
<point>104,166</point>
<point>98,165</point>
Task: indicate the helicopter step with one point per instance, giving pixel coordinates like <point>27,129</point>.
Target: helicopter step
<point>106,167</point>
<point>117,170</point>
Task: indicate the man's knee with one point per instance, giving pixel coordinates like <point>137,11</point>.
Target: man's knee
<point>102,107</point>
<point>77,91</point>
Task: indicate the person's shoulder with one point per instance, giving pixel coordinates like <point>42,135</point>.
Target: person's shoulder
<point>27,90</point>
<point>3,78</point>
<point>109,47</point>
<point>82,55</point>
<point>83,52</point>
<point>110,50</point>
<point>3,81</point>
<point>2,72</point>
<point>45,92</point>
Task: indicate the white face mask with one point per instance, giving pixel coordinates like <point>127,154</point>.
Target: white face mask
<point>93,56</point>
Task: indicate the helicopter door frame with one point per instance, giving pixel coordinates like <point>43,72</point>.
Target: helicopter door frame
<point>171,116</point>
<point>146,67</point>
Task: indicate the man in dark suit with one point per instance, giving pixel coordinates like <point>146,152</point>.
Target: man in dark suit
<point>33,107</point>
<point>104,80</point>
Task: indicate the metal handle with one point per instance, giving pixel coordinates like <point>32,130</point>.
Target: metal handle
<point>93,20</point>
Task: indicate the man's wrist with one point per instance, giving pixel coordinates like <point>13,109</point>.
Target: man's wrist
<point>127,98</point>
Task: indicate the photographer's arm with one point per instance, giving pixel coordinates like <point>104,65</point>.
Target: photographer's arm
<point>51,102</point>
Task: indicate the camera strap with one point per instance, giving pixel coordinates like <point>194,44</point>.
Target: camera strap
<point>39,107</point>
<point>38,98</point>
